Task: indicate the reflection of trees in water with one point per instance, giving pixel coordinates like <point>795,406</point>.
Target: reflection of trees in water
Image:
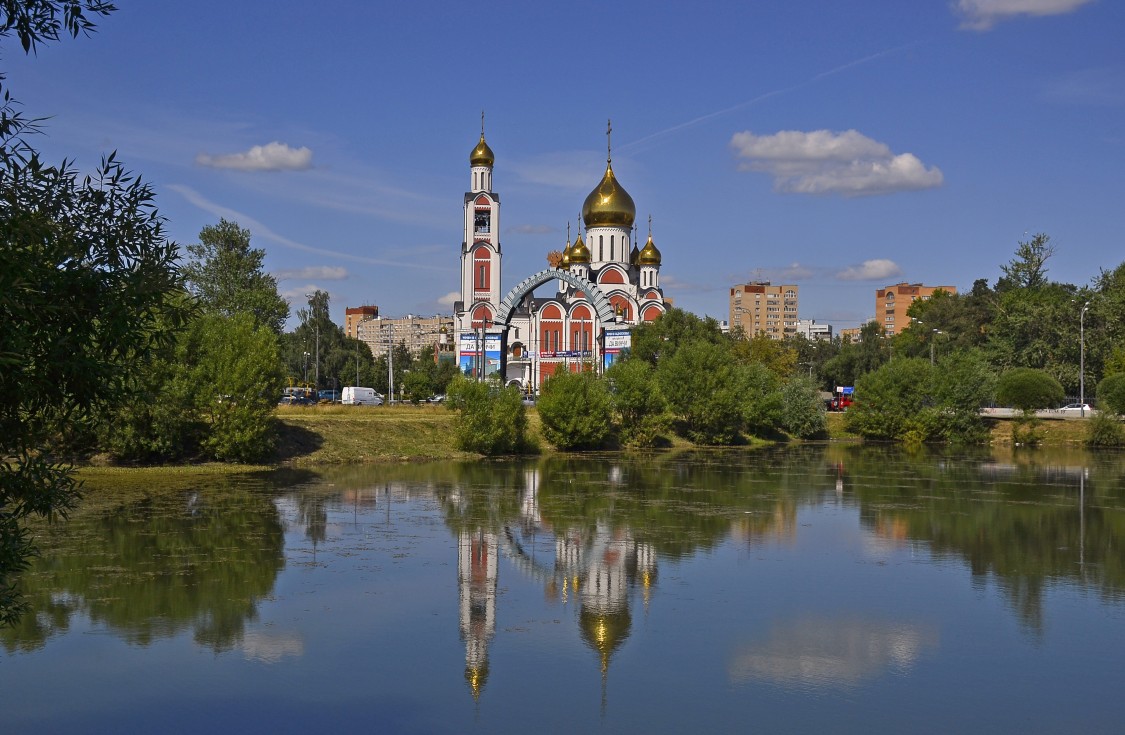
<point>154,568</point>
<point>1029,520</point>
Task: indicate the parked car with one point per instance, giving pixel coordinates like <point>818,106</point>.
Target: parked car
<point>295,401</point>
<point>1077,409</point>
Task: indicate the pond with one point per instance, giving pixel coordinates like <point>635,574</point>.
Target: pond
<point>820,588</point>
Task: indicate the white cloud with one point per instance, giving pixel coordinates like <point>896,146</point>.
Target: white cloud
<point>270,157</point>
<point>298,295</point>
<point>325,272</point>
<point>827,162</point>
<point>870,270</point>
<point>981,15</point>
<point>450,298</point>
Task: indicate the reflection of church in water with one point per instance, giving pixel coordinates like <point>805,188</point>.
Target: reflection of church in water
<point>598,568</point>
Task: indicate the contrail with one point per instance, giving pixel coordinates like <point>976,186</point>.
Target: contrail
<point>767,95</point>
<point>259,229</point>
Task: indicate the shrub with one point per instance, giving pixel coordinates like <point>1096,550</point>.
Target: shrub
<point>802,409</point>
<point>895,402</point>
<point>1111,394</point>
<point>640,409</point>
<point>1028,389</point>
<point>699,383</point>
<point>1104,431</point>
<point>490,420</point>
<point>576,411</point>
<point>760,400</point>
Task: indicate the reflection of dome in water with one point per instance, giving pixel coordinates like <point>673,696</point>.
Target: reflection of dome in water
<point>605,631</point>
<point>476,676</point>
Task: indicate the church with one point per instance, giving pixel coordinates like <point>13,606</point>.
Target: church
<point>603,285</point>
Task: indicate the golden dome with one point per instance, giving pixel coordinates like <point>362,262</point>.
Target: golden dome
<point>482,155</point>
<point>649,255</point>
<point>609,205</point>
<point>564,264</point>
<point>579,253</point>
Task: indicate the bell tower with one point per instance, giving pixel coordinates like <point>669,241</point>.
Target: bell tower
<point>480,248</point>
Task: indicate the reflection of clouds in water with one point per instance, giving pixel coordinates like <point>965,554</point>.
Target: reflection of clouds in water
<point>817,653</point>
<point>270,648</point>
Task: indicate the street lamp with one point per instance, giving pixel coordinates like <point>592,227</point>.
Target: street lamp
<point>1082,359</point>
<point>933,341</point>
<point>309,296</point>
<point>305,380</point>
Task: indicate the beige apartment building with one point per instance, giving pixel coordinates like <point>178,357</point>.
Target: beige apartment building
<point>416,331</point>
<point>762,308</point>
<point>892,302</point>
<point>353,315</point>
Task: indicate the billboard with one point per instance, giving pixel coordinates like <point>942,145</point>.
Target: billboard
<point>469,357</point>
<point>617,341</point>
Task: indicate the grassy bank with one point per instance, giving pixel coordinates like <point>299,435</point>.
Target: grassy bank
<point>1056,432</point>
<point>312,435</point>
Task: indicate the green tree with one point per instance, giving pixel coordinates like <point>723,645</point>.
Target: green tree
<point>576,411</point>
<point>962,383</point>
<point>1111,394</point>
<point>698,381</point>
<point>660,339</point>
<point>857,358</point>
<point>83,298</point>
<point>641,411</point>
<point>238,376</point>
<point>490,420</point>
<point>227,276</point>
<point>803,413</point>
<point>895,402</point>
<point>1029,268</point>
<point>1028,389</point>
<point>758,390</point>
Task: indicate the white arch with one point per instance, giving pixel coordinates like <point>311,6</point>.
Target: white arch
<point>597,299</point>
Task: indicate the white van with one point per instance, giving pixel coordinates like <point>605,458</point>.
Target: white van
<point>354,396</point>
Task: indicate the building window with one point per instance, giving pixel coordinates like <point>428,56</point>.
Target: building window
<point>482,277</point>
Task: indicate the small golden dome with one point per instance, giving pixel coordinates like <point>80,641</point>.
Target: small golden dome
<point>649,255</point>
<point>482,155</point>
<point>609,205</point>
<point>564,264</point>
<point>579,253</point>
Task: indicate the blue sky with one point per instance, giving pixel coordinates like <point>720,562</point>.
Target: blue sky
<point>844,146</point>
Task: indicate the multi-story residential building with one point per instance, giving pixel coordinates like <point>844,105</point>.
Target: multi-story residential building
<point>892,302</point>
<point>416,332</point>
<point>809,329</point>
<point>762,308</point>
<point>353,315</point>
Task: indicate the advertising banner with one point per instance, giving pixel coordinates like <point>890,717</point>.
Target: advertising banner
<point>469,357</point>
<point>617,341</point>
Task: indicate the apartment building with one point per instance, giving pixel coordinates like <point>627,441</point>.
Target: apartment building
<point>353,315</point>
<point>416,332</point>
<point>762,308</point>
<point>892,302</point>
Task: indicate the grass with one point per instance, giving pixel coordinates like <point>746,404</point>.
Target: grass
<point>1056,432</point>
<point>312,435</point>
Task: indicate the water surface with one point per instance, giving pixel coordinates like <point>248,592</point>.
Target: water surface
<point>822,588</point>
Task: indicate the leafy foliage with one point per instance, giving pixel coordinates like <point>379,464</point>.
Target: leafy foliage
<point>1111,394</point>
<point>895,402</point>
<point>82,298</point>
<point>641,411</point>
<point>803,413</point>
<point>1104,431</point>
<point>576,411</point>
<point>1028,389</point>
<point>490,420</point>
<point>227,276</point>
<point>698,380</point>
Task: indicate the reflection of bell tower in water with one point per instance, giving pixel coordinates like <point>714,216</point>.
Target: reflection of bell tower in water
<point>476,576</point>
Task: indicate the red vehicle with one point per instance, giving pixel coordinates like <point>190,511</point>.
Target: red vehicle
<point>843,398</point>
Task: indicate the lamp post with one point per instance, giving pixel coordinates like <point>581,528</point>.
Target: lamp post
<point>316,318</point>
<point>390,329</point>
<point>1082,359</point>
<point>933,341</point>
<point>305,380</point>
